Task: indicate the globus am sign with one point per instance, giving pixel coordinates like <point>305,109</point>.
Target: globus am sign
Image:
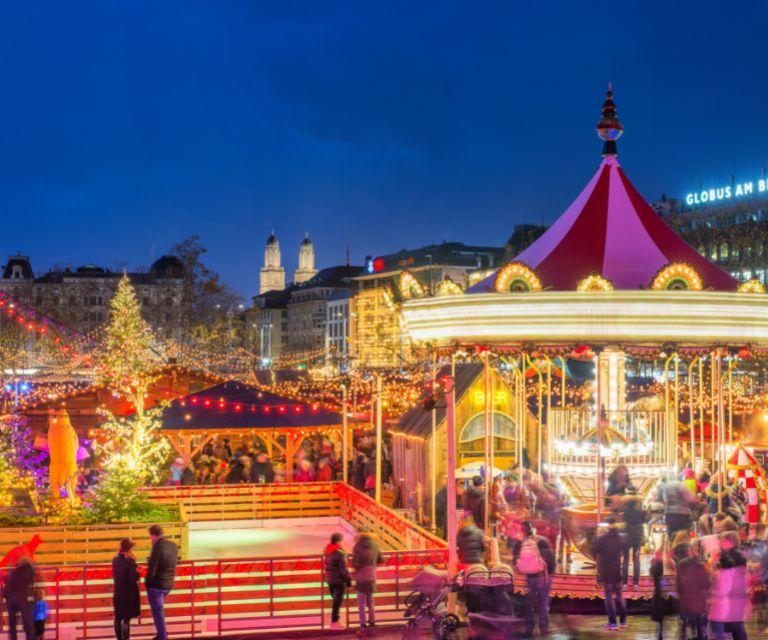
<point>731,191</point>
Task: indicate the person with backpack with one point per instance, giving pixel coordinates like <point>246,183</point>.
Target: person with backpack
<point>534,557</point>
<point>609,549</point>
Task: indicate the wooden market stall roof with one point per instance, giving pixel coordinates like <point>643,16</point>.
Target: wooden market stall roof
<point>83,405</point>
<point>417,421</point>
<point>236,408</point>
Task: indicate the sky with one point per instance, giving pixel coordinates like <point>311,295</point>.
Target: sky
<point>126,127</point>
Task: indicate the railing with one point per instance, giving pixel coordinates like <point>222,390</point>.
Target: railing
<point>216,598</point>
<point>89,543</point>
<point>249,501</point>
<point>296,500</point>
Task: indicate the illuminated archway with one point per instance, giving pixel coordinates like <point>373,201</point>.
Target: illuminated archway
<point>677,276</point>
<point>517,277</point>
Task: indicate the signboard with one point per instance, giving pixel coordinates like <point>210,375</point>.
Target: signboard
<point>725,193</point>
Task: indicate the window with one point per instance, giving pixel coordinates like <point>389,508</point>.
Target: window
<point>93,301</point>
<point>735,252</point>
<point>724,251</point>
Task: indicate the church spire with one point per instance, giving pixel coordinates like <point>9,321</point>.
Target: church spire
<point>609,129</point>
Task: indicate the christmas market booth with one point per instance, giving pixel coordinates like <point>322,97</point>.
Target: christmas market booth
<point>419,438</point>
<point>242,413</point>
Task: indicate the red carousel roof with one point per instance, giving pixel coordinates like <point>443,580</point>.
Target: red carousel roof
<point>612,231</point>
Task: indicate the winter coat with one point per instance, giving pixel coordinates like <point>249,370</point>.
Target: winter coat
<point>693,585</point>
<point>729,600</point>
<point>657,601</point>
<point>335,564</point>
<point>324,474</point>
<point>125,577</point>
<point>608,549</point>
<point>470,543</point>
<point>262,472</point>
<point>161,565</point>
<point>474,502</point>
<point>634,519</point>
<point>237,474</point>
<point>303,475</point>
<point>677,498</point>
<point>20,581</point>
<point>366,554</point>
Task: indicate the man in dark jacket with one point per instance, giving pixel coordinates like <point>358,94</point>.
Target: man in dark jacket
<point>474,501</point>
<point>161,571</point>
<point>693,584</point>
<point>470,543</point>
<point>608,549</point>
<point>537,563</point>
<point>337,576</point>
<point>18,597</point>
<point>262,470</point>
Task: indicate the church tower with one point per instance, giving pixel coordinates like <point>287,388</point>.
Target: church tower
<point>306,261</point>
<point>272,274</point>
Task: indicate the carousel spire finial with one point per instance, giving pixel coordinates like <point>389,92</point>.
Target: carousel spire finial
<point>609,128</point>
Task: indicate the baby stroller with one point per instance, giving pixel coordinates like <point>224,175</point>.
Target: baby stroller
<point>492,608</point>
<point>426,607</point>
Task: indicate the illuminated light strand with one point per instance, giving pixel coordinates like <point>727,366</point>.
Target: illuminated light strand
<point>517,276</point>
<point>675,276</point>
<point>595,282</point>
<point>409,286</point>
<point>240,407</point>
<point>752,286</point>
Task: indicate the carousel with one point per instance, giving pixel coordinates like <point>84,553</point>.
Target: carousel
<point>611,285</point>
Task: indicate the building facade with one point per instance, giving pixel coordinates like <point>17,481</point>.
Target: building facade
<point>80,297</point>
<point>377,338</point>
<point>338,328</point>
<point>728,225</point>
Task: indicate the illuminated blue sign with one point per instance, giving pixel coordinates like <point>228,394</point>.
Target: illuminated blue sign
<point>732,191</point>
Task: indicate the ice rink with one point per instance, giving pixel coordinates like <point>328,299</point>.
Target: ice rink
<point>265,538</point>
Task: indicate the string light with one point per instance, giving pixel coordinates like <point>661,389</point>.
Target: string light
<point>517,276</point>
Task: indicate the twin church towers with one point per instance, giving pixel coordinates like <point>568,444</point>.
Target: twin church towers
<point>272,274</point>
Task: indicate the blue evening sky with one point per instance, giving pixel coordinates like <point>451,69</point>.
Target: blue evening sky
<point>127,126</point>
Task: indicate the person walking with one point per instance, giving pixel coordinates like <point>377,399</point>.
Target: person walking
<point>729,605</point>
<point>534,557</point>
<point>693,586</point>
<point>18,598</point>
<point>126,599</point>
<point>366,554</point>
<point>474,501</point>
<point>337,576</point>
<point>609,549</point>
<point>633,515</point>
<point>657,600</point>
<point>161,572</point>
<point>470,543</point>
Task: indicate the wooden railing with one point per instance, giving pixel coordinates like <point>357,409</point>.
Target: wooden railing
<point>296,500</point>
<point>216,598</point>
<point>89,543</point>
<point>249,501</point>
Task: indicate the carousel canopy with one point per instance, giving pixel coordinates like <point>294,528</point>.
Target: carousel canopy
<point>236,406</point>
<point>610,230</point>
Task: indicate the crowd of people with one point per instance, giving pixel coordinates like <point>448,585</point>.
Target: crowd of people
<point>26,602</point>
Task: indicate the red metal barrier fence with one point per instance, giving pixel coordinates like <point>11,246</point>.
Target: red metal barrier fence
<point>215,598</point>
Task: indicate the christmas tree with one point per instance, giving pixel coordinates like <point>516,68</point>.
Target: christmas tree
<point>131,449</point>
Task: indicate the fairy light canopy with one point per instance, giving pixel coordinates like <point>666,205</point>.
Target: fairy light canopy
<point>611,231</point>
